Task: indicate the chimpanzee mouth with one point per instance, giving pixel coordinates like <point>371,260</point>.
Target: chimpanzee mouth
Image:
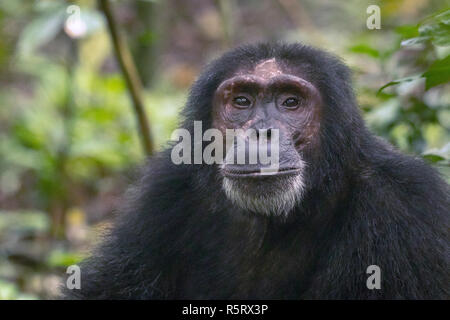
<point>259,173</point>
<point>271,195</point>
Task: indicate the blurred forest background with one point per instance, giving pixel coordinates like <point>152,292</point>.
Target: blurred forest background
<point>69,140</point>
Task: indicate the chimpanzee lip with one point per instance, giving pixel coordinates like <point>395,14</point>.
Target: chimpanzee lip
<point>258,174</point>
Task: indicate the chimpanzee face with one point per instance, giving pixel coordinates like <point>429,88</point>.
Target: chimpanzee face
<point>279,106</point>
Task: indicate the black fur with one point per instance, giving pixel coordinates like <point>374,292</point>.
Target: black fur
<point>366,204</point>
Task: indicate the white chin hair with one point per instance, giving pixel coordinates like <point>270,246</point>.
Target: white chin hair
<point>285,192</point>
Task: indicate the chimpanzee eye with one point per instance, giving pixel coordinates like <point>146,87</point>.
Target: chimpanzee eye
<point>291,103</point>
<point>242,102</point>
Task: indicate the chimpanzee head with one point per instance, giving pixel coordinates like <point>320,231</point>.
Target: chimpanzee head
<point>293,98</point>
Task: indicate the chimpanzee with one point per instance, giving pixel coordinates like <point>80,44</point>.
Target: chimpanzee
<point>341,203</point>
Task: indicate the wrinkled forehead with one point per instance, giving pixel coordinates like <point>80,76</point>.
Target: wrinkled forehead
<point>267,69</point>
<point>267,75</point>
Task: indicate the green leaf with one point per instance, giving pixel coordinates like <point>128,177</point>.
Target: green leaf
<point>435,28</point>
<point>434,158</point>
<point>408,31</point>
<point>437,73</point>
<point>439,33</point>
<point>59,258</point>
<point>365,49</point>
<point>438,155</point>
<point>395,82</point>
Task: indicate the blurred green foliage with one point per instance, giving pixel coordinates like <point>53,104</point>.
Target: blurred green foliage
<point>414,115</point>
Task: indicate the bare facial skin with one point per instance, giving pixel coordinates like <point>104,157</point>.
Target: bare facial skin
<point>259,87</point>
<point>269,97</point>
<point>267,69</point>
